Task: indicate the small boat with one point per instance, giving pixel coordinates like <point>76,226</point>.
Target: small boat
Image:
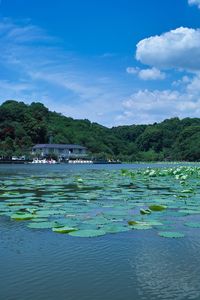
<point>80,161</point>
<point>44,161</point>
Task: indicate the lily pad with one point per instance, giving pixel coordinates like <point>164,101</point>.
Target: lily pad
<point>41,225</point>
<point>132,222</point>
<point>171,234</point>
<point>64,229</point>
<point>141,227</point>
<point>145,211</point>
<point>22,216</point>
<point>156,207</point>
<point>114,228</point>
<point>88,233</point>
<point>193,224</point>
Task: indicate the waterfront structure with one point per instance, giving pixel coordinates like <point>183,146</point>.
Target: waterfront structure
<point>62,151</point>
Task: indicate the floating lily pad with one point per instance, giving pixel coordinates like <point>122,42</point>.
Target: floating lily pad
<point>64,229</point>
<point>187,191</point>
<point>88,233</point>
<point>154,222</point>
<point>145,211</point>
<point>22,216</point>
<point>104,200</point>
<point>97,221</point>
<point>114,228</point>
<point>171,234</point>
<point>39,220</point>
<point>41,225</point>
<point>141,227</point>
<point>156,207</point>
<point>193,224</point>
<point>132,222</point>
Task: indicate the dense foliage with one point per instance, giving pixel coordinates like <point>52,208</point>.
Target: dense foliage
<point>22,126</point>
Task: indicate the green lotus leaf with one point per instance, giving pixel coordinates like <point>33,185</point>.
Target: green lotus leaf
<point>80,180</point>
<point>22,216</point>
<point>39,219</point>
<point>171,234</point>
<point>188,191</point>
<point>110,228</point>
<point>88,233</point>
<point>64,229</point>
<point>192,224</point>
<point>14,204</point>
<point>154,223</point>
<point>125,172</point>
<point>106,200</point>
<point>157,207</point>
<point>97,221</point>
<point>41,225</point>
<point>141,227</point>
<point>131,222</point>
<point>145,211</point>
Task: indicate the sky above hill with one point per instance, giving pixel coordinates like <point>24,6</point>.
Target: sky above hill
<point>112,62</point>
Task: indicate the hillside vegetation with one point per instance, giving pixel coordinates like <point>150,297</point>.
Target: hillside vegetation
<point>22,126</point>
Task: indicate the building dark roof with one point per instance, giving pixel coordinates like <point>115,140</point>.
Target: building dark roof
<point>58,146</point>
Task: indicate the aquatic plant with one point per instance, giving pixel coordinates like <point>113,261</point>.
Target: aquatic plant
<point>105,202</point>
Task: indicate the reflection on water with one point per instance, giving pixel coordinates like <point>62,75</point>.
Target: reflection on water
<point>40,265</point>
<point>167,270</point>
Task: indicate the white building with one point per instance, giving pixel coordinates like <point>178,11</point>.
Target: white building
<point>62,151</point>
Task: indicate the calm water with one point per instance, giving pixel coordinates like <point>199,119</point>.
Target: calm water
<point>41,265</point>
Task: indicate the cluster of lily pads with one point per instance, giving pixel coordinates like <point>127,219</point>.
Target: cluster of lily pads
<point>99,202</point>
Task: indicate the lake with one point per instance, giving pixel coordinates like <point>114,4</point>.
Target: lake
<point>127,260</point>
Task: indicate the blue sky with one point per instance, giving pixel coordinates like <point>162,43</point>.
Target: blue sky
<point>112,62</point>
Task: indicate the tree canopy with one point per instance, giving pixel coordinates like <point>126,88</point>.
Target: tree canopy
<point>22,126</point>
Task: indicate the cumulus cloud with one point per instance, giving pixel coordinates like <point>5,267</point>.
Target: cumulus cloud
<point>193,87</point>
<point>151,74</point>
<point>146,106</point>
<point>146,74</point>
<point>179,48</point>
<point>194,2</point>
<point>184,80</point>
<point>147,101</point>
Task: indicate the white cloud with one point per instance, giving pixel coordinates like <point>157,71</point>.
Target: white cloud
<point>14,87</point>
<point>33,70</point>
<point>145,100</point>
<point>151,74</point>
<point>132,70</point>
<point>146,74</point>
<point>22,32</point>
<point>194,2</point>
<point>193,87</point>
<point>179,48</point>
<point>184,80</point>
<point>146,106</point>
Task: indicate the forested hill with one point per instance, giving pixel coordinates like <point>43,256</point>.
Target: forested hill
<point>22,126</point>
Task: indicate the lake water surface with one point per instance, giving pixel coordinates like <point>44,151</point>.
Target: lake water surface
<point>38,264</point>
